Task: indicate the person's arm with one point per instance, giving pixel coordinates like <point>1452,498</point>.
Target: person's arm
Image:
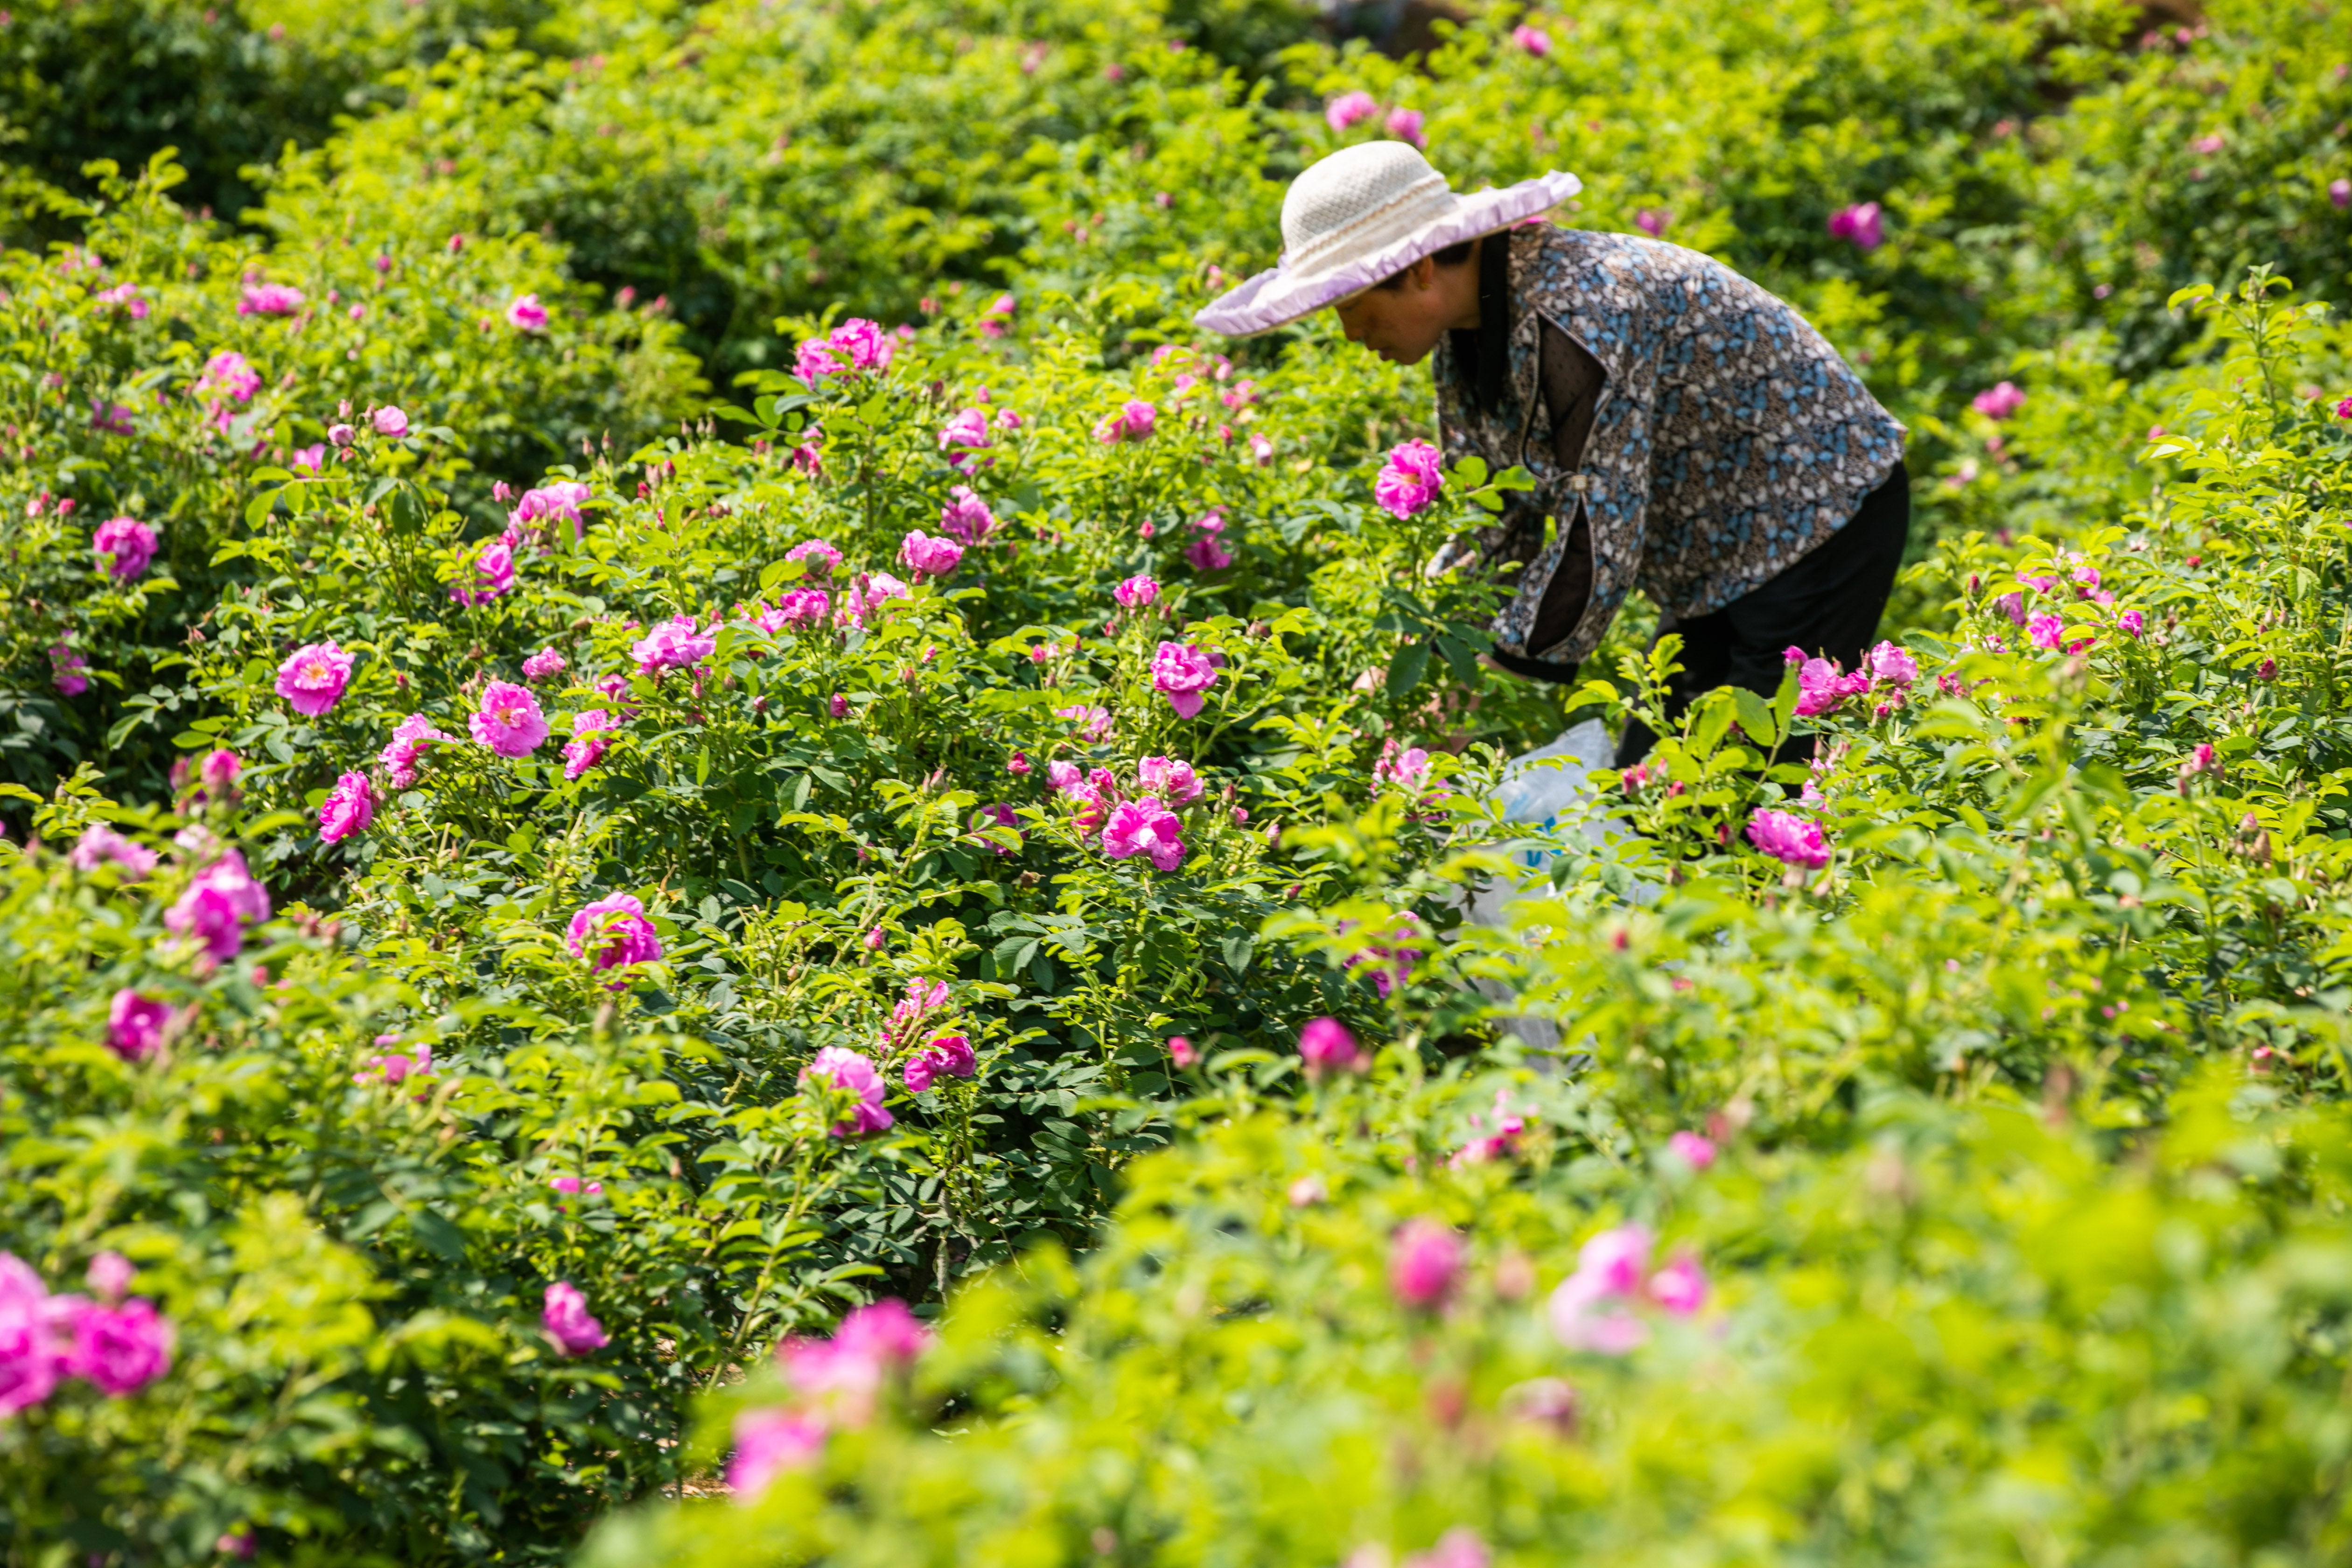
<point>1572,382</point>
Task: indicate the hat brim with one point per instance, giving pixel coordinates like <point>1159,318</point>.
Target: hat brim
<point>1276,299</point>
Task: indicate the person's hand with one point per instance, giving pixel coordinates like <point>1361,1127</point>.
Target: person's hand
<point>1461,551</point>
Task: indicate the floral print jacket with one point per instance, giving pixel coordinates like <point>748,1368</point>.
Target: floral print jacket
<point>1728,439</point>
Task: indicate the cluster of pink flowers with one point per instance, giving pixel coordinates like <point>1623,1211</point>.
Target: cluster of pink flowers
<point>1998,401</point>
<point>45,1339</point>
<point>928,557</point>
<point>964,435</point>
<point>1389,966</point>
<point>564,1315</point>
<point>1092,796</point>
<point>123,545</point>
<point>1352,108</point>
<point>1888,670</point>
<point>313,678</point>
<point>218,905</point>
<point>127,296</point>
<point>1425,1261</point>
<point>561,499</point>
<point>508,721</point>
<point>967,517</point>
<point>404,755</point>
<point>1410,478</point>
<point>1788,838</point>
<point>488,572</point>
<point>947,1056</point>
<point>527,314</point>
<point>1535,40</point>
<point>1137,592</point>
<point>227,375</point>
<point>1860,225</point>
<point>269,300</point>
<point>590,736</point>
<point>674,644</point>
<point>613,932</point>
<point>1485,1145</point>
<point>348,809</point>
<point>100,845</point>
<point>1653,221</point>
<point>867,595</point>
<point>1170,778</point>
<point>67,669</point>
<point>1181,673</point>
<point>1207,553</point>
<point>999,314</point>
<point>135,1025</point>
<point>833,1383</point>
<point>821,557</point>
<point>1693,1149</point>
<point>214,773</point>
<point>1325,1046</point>
<point>543,665</point>
<point>393,1066</point>
<point>1133,421</point>
<point>1593,1310</point>
<point>838,1069</point>
<point>855,344</point>
<point>1145,826</point>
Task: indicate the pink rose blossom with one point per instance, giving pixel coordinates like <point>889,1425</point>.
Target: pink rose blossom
<point>1653,221</point>
<point>2132,622</point>
<point>311,460</point>
<point>1535,40</point>
<point>1859,224</point>
<point>313,678</point>
<point>612,932</point>
<point>1609,1270</point>
<point>1999,400</point>
<point>767,1443</point>
<point>821,557</point>
<point>269,300</point>
<point>815,359</point>
<point>1181,672</point>
<point>109,1276</point>
<point>1407,768</point>
<point>348,808</point>
<point>487,574</point>
<point>1409,480</point>
<point>1145,827</point>
<point>340,435</point>
<point>111,417</point>
<point>1171,780</point>
<point>1788,838</point>
<point>1206,554</point>
<point>389,421</point>
<point>571,1186</point>
<point>404,757</point>
<point>1136,592</point>
<point>1820,687</point>
<point>1680,1287</point>
<point>228,375</point>
<point>929,557</point>
<point>965,434</point>
<point>1347,108</point>
<point>134,1026</point>
<point>949,1056</point>
<point>560,501</point>
<point>100,845</point>
<point>1425,1264</point>
<point>1404,124</point>
<point>862,344</point>
<point>544,664</point>
<point>843,1070</point>
<point>1693,1150</point>
<point>218,904</point>
<point>590,737</point>
<point>967,516</point>
<point>1133,422</point>
<point>1091,721</point>
<point>119,1349</point>
<point>32,1353</point>
<point>673,644</point>
<point>1325,1046</point>
<point>1891,664</point>
<point>2045,630</point>
<point>66,670</point>
<point>527,314</point>
<point>1181,1051</point>
<point>124,545</point>
<point>508,721</point>
<point>565,1317</point>
<point>2339,192</point>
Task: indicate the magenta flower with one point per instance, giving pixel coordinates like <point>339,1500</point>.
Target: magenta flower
<point>1680,1287</point>
<point>1999,400</point>
<point>1145,827</point>
<point>1181,672</point>
<point>845,1071</point>
<point>822,557</point>
<point>66,670</point>
<point>340,435</point>
<point>542,665</point>
<point>1820,686</point>
<point>2045,630</point>
<point>111,417</point>
<point>1136,592</point>
<point>111,1275</point>
<point>1325,1046</point>
<point>1788,838</point>
<point>134,1026</point>
<point>1347,108</point>
<point>269,300</point>
<point>1535,40</point>
<point>862,344</point>
<point>389,421</point>
<point>348,808</point>
<point>218,907</point>
<point>31,1357</point>
<point>120,1349</point>
<point>1653,221</point>
<point>565,1317</point>
<point>488,574</point>
<point>589,740</point>
<point>949,1056</point>
<point>123,545</point>
<point>1891,664</point>
<point>1171,780</point>
<point>1585,1311</point>
<point>1409,480</point>
<point>401,759</point>
<point>228,375</point>
<point>965,434</point>
<point>1404,124</point>
<point>815,359</point>
<point>967,516</point>
<point>313,678</point>
<point>673,644</point>
<point>311,460</point>
<point>1133,422</point>
<point>2132,622</point>
<point>508,721</point>
<point>2013,606</point>
<point>613,932</point>
<point>1407,768</point>
<point>560,500</point>
<point>1693,1150</point>
<point>396,1068</point>
<point>2340,193</point>
<point>100,843</point>
<point>929,557</point>
<point>1207,554</point>
<point>1425,1264</point>
<point>1859,224</point>
<point>527,314</point>
<point>801,607</point>
<point>837,705</point>
<point>1181,1051</point>
<point>767,1443</point>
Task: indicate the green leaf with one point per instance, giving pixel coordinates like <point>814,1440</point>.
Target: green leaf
<point>1755,720</point>
<point>1406,669</point>
<point>1237,950</point>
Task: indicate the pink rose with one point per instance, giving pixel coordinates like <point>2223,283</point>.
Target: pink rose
<point>1325,1046</point>
<point>1171,780</point>
<point>928,556</point>
<point>134,1026</point>
<point>313,678</point>
<point>1425,1264</point>
<point>1788,838</point>
<point>1347,108</point>
<point>1145,827</point>
<point>1181,672</point>
<point>565,1317</point>
<point>1409,480</point>
<point>348,808</point>
<point>1859,224</point>
<point>125,546</point>
<point>846,1071</point>
<point>508,721</point>
<point>613,932</point>
<point>527,314</point>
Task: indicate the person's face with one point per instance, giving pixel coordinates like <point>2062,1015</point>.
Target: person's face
<point>1401,324</point>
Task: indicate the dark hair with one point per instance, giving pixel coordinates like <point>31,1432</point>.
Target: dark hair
<point>1454,254</point>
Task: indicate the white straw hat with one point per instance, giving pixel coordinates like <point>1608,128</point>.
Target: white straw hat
<point>1362,214</point>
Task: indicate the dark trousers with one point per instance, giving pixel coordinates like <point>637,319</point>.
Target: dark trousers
<point>1827,603</point>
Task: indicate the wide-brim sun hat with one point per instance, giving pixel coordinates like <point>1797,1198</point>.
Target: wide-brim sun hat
<point>1363,215</point>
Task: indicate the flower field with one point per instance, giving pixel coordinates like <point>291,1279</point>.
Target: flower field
<point>716,854</point>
